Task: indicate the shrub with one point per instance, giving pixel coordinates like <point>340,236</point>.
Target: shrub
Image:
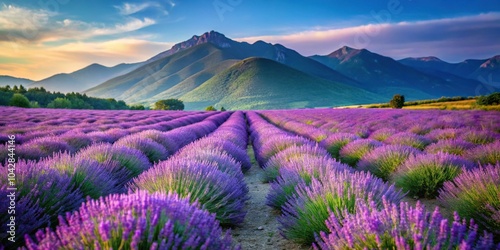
<point>216,191</point>
<point>59,103</point>
<point>161,138</point>
<point>335,142</point>
<point>122,162</point>
<point>153,150</point>
<point>86,174</point>
<point>169,104</point>
<point>355,150</point>
<point>293,154</point>
<point>135,221</point>
<point>76,140</point>
<point>384,160</point>
<point>382,134</point>
<point>276,144</point>
<point>399,227</point>
<point>408,139</point>
<point>492,99</point>
<point>305,214</point>
<point>210,108</point>
<point>480,136</point>
<point>475,194</point>
<point>451,146</point>
<point>397,101</point>
<point>423,175</point>
<point>19,100</point>
<point>485,154</point>
<point>299,171</point>
<point>47,146</point>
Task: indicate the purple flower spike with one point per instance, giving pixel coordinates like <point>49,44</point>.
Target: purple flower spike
<point>135,221</point>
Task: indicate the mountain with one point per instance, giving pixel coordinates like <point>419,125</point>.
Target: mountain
<point>486,71</point>
<point>192,62</point>
<point>258,83</point>
<point>84,78</point>
<point>10,80</point>
<point>385,76</point>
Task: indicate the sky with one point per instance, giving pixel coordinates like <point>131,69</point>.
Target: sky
<point>40,38</point>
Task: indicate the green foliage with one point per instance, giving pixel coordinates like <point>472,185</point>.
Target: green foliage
<point>43,98</point>
<point>19,100</point>
<point>169,104</point>
<point>137,107</point>
<point>492,99</point>
<point>210,108</point>
<point>222,109</point>
<point>34,104</point>
<point>59,103</point>
<point>397,102</point>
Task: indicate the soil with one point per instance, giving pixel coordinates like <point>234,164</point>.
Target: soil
<point>260,228</point>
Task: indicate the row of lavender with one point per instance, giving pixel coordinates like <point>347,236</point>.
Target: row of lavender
<point>204,186</point>
<point>54,185</point>
<point>34,123</point>
<point>34,146</point>
<point>455,156</point>
<point>334,206</point>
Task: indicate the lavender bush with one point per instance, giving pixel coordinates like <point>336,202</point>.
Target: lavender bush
<point>354,151</point>
<point>475,194</point>
<point>153,150</point>
<point>306,213</point>
<point>216,191</point>
<point>400,227</point>
<point>335,142</point>
<point>451,146</point>
<point>384,160</point>
<point>423,175</point>
<point>485,154</point>
<point>135,221</point>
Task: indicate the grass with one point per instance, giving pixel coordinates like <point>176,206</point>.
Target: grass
<point>453,103</point>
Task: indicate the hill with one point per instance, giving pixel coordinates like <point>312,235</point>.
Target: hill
<point>258,83</point>
<point>11,81</point>
<point>84,78</point>
<point>386,76</point>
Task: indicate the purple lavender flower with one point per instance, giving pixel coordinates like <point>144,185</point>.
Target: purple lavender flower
<point>480,136</point>
<point>153,150</point>
<point>275,144</point>
<point>289,155</point>
<point>135,221</point>
<point>306,213</point>
<point>485,154</point>
<point>399,227</point>
<point>423,175</point>
<point>161,138</point>
<point>408,139</point>
<point>451,146</point>
<point>86,174</point>
<point>298,171</point>
<point>475,194</point>
<point>382,134</point>
<point>216,191</point>
<point>384,160</point>
<point>445,134</point>
<point>46,146</point>
<point>121,162</point>
<point>335,142</point>
<point>355,150</point>
<point>76,141</point>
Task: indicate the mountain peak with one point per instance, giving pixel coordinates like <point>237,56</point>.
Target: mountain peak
<point>213,37</point>
<point>345,53</point>
<point>493,62</point>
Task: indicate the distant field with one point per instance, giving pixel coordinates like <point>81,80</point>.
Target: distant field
<point>435,104</point>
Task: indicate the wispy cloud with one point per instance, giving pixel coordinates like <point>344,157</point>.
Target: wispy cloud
<point>132,8</point>
<point>34,26</point>
<point>451,38</point>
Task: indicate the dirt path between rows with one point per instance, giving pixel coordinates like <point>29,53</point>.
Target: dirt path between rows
<point>260,228</point>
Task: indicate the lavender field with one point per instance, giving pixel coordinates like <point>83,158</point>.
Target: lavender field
<point>334,178</point>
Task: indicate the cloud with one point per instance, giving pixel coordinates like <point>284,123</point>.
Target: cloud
<point>132,8</point>
<point>453,39</point>
<point>35,26</point>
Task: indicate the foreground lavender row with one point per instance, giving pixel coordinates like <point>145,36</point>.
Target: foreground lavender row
<point>329,171</point>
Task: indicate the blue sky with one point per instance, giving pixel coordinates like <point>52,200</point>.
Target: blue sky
<point>39,38</point>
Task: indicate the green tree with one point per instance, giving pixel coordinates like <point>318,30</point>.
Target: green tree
<point>137,107</point>
<point>169,104</point>
<point>397,102</point>
<point>19,100</point>
<point>222,109</point>
<point>492,99</point>
<point>210,108</point>
<point>59,103</point>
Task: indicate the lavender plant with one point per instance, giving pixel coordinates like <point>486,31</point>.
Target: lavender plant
<point>485,154</point>
<point>423,175</point>
<point>135,221</point>
<point>306,213</point>
<point>153,150</point>
<point>450,146</point>
<point>216,191</point>
<point>335,142</point>
<point>384,160</point>
<point>475,194</point>
<point>355,150</point>
<point>400,227</point>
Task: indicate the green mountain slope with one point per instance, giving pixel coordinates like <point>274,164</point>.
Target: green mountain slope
<point>258,83</point>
